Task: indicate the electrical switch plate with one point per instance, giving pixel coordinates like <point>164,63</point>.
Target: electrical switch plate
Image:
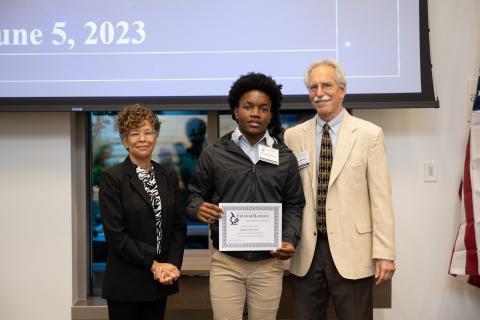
<point>430,171</point>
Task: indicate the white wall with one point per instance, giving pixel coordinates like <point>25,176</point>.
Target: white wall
<point>35,192</point>
<point>35,216</point>
<point>427,214</point>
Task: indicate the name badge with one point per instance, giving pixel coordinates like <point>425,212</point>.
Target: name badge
<point>268,154</point>
<point>303,159</point>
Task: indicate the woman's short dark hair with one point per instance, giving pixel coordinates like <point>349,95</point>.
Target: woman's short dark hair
<point>255,81</point>
<point>133,116</point>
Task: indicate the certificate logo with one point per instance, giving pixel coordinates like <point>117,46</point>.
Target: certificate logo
<point>233,219</point>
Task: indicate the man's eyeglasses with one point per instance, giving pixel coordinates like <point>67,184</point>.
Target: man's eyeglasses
<point>326,87</point>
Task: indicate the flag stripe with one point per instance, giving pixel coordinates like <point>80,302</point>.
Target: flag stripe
<point>475,280</point>
<point>464,263</point>
<point>471,266</point>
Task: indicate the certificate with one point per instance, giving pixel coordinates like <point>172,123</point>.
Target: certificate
<point>250,226</point>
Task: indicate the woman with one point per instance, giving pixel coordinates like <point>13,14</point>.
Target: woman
<point>144,229</point>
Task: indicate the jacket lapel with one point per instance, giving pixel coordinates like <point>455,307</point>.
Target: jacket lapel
<point>129,168</point>
<point>308,144</point>
<point>345,143</point>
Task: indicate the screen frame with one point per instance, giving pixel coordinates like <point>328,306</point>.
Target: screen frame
<point>425,99</point>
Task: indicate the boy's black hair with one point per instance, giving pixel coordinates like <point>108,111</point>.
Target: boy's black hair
<point>256,81</point>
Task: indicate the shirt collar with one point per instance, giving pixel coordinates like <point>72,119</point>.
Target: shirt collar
<point>334,124</point>
<point>138,169</point>
<point>266,139</point>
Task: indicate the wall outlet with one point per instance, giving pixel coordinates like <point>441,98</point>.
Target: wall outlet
<point>430,171</point>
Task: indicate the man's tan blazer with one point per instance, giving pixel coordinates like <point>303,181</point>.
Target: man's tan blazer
<point>360,220</point>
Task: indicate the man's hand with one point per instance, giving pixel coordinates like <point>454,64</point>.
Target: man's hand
<point>384,270</point>
<point>165,273</point>
<point>209,213</point>
<point>285,252</point>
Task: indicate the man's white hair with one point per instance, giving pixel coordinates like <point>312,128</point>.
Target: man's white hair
<point>339,74</point>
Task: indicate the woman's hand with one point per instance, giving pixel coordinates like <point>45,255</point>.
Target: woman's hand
<point>165,273</point>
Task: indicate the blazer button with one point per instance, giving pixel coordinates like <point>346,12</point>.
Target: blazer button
<point>315,233</point>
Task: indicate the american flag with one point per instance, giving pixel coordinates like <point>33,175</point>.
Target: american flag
<point>464,262</point>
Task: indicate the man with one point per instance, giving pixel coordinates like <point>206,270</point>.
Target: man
<point>232,170</point>
<point>348,223</point>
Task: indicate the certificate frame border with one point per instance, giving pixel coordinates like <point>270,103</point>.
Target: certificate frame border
<point>277,236</point>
